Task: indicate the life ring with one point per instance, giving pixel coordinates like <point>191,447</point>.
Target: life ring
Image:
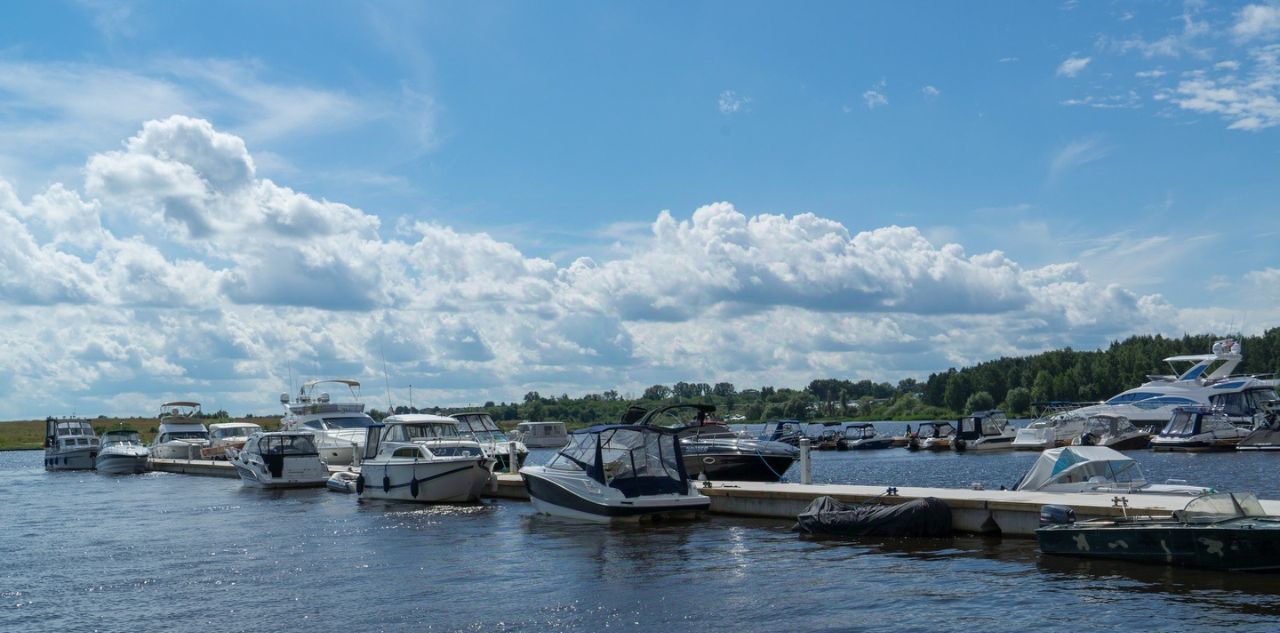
<point>359,484</point>
<point>708,460</point>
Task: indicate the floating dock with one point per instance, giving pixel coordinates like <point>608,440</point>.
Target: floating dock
<point>995,512</point>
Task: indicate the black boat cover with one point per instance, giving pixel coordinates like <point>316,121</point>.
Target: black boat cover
<point>925,517</point>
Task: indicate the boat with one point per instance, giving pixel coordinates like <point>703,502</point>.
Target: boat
<point>1058,425</point>
<point>1199,428</point>
<point>280,459</point>
<point>1112,431</point>
<point>225,438</point>
<point>1265,435</point>
<point>711,450</point>
<point>546,434</point>
<point>616,472</point>
<point>828,440</point>
<point>121,453</point>
<point>1224,531</point>
<point>479,426</point>
<point>339,427</point>
<point>862,436</point>
<point>932,436</point>
<point>343,481</point>
<point>785,431</point>
<point>181,434</point>
<point>926,517</point>
<point>421,457</point>
<point>984,431</point>
<point>1095,469</point>
<point>69,444</point>
<point>1207,382</point>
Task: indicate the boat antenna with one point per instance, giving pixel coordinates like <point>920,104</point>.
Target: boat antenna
<point>410,395</point>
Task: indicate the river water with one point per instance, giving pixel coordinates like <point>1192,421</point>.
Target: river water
<point>84,552</point>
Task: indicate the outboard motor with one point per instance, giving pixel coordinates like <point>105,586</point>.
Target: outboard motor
<point>1056,515</point>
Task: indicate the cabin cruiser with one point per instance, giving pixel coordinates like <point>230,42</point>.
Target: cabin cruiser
<point>785,431</point>
<point>181,434</point>
<point>122,453</point>
<point>1058,425</point>
<point>711,450</point>
<point>863,436</point>
<point>479,426</point>
<point>281,459</point>
<point>1094,469</point>
<point>1199,429</point>
<point>932,436</point>
<point>1207,382</point>
<point>69,444</point>
<point>984,431</point>
<point>225,438</point>
<point>421,457</point>
<point>339,427</point>
<point>616,472</point>
<point>1265,435</point>
<point>1112,431</point>
<point>541,434</point>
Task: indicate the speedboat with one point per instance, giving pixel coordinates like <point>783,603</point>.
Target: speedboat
<point>479,426</point>
<point>69,444</point>
<point>1199,429</point>
<point>1058,425</point>
<point>828,440</point>
<point>863,436</point>
<point>339,427</point>
<point>421,457</point>
<point>1112,431</point>
<point>1094,469</point>
<point>1265,435</point>
<point>281,459</point>
<point>932,436</point>
<point>122,453</point>
<point>225,438</point>
<point>1207,382</point>
<point>984,431</point>
<point>785,431</point>
<point>1225,531</point>
<point>541,434</point>
<point>181,434</point>
<point>616,472</point>
<point>712,451</point>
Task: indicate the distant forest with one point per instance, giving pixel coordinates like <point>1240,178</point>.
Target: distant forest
<point>1011,384</point>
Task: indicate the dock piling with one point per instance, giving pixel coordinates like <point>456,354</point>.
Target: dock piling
<point>806,473</point>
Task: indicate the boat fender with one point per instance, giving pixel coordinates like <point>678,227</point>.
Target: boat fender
<point>413,487</point>
<point>386,483</point>
<point>359,484</point>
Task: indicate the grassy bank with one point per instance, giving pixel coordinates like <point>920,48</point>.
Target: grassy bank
<point>29,434</point>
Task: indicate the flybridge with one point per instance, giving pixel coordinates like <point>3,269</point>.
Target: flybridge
<point>309,402</point>
<point>1226,350</point>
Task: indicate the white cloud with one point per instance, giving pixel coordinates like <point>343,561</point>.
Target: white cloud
<point>1129,100</point>
<point>1249,103</point>
<point>875,97</point>
<point>731,103</point>
<point>1257,21</point>
<point>930,92</point>
<point>1071,66</point>
<point>1076,153</point>
<point>1007,60</point>
<point>1231,65</point>
<point>1150,74</point>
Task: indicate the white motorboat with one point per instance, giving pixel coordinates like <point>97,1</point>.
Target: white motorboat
<point>1095,469</point>
<point>1207,382</point>
<point>225,438</point>
<point>421,457</point>
<point>69,444</point>
<point>479,426</point>
<point>280,459</point>
<point>1199,429</point>
<point>181,434</point>
<point>931,436</point>
<point>1112,431</point>
<point>339,427</point>
<point>711,450</point>
<point>122,453</point>
<point>984,431</point>
<point>1265,435</point>
<point>616,472</point>
<point>1058,426</point>
<point>542,434</point>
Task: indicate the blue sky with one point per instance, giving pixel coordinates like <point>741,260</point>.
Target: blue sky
<point>505,194</point>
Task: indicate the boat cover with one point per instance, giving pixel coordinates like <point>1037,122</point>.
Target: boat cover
<point>926,517</point>
<point>1056,460</point>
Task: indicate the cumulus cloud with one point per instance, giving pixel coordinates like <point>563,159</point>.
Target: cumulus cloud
<point>1071,66</point>
<point>1250,102</point>
<point>930,92</point>
<point>1257,21</point>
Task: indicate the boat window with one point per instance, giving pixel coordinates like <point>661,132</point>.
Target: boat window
<point>355,422</point>
<point>316,425</point>
<point>287,445</point>
<point>1181,423</point>
<point>1126,398</point>
<point>1231,403</point>
<point>407,452</point>
<point>428,431</point>
<point>992,426</point>
<point>455,451</point>
<point>1223,505</point>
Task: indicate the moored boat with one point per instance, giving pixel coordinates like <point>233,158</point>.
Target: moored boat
<point>421,457</point>
<point>339,427</point>
<point>1198,429</point>
<point>712,451</point>
<point>181,434</point>
<point>932,436</point>
<point>1265,435</point>
<point>225,438</point>
<point>1058,425</point>
<point>863,436</point>
<point>1112,431</point>
<point>1095,469</point>
<point>984,431</point>
<point>121,453</point>
<point>69,444</point>
<point>479,426</point>
<point>545,434</point>
<point>281,459</point>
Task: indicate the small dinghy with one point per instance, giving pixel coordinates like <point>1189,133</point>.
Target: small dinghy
<point>343,481</point>
<point>926,517</point>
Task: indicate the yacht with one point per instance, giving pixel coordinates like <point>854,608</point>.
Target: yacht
<point>541,434</point>
<point>1207,382</point>
<point>1112,431</point>
<point>69,444</point>
<point>181,434</point>
<point>225,438</point>
<point>863,436</point>
<point>1094,469</point>
<point>1058,425</point>
<point>932,436</point>
<point>1199,429</point>
<point>281,459</point>
<point>1265,435</point>
<point>339,427</point>
<point>122,453</point>
<point>616,472</point>
<point>421,457</point>
<point>480,427</point>
<point>984,431</point>
<point>710,450</point>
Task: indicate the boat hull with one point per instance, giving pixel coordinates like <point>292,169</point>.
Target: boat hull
<point>121,463</point>
<point>251,477</point>
<point>450,481</point>
<point>552,498</point>
<point>868,445</point>
<point>984,444</point>
<point>1194,445</point>
<point>77,459</point>
<point>737,466</point>
<point>1211,547</point>
<point>1260,440</point>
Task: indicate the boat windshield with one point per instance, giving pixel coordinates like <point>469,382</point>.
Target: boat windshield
<point>481,427</point>
<point>1182,423</point>
<point>423,431</point>
<point>860,432</point>
<point>1102,471</point>
<point>184,435</point>
<point>235,431</point>
<point>635,460</point>
<point>1223,505</point>
<point>121,437</point>
<point>287,445</point>
<point>355,422</point>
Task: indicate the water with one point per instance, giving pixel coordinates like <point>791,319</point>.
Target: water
<point>83,551</point>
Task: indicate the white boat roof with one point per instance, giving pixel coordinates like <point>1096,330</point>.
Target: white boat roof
<point>412,418</point>
<point>1056,460</point>
<point>180,404</point>
<point>1192,357</point>
<point>350,382</point>
<point>234,425</point>
<point>184,425</point>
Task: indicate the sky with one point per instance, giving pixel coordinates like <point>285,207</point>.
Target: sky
<point>217,201</point>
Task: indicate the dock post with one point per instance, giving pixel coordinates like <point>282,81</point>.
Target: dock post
<point>513,458</point>
<point>806,473</point>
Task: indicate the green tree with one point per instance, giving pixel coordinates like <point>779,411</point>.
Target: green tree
<point>1018,400</point>
<point>980,401</point>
